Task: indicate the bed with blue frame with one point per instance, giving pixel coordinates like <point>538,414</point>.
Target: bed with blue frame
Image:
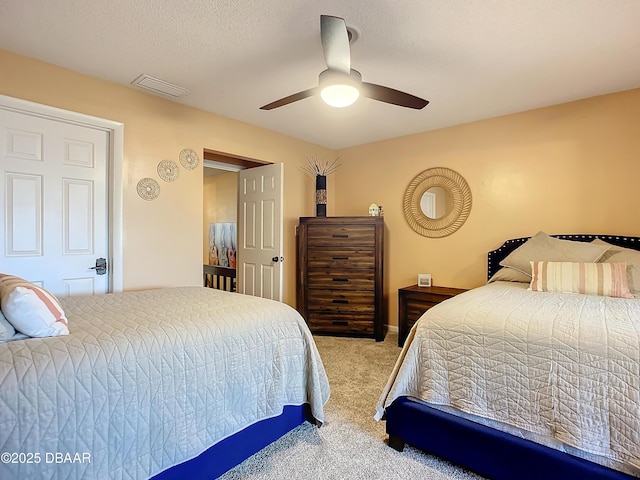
<point>489,451</point>
<point>172,383</point>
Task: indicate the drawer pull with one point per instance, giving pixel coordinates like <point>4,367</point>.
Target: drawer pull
<point>340,235</point>
<point>343,323</point>
<point>341,279</point>
<point>339,300</point>
<point>344,257</point>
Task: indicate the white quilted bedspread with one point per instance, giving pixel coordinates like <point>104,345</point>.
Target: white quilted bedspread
<point>564,367</point>
<point>149,379</point>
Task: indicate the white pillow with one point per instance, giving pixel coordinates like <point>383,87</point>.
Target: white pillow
<point>508,274</point>
<point>6,329</point>
<point>542,247</point>
<point>7,332</point>
<point>628,255</point>
<point>31,309</point>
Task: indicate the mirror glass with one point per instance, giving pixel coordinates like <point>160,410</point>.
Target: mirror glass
<point>436,202</point>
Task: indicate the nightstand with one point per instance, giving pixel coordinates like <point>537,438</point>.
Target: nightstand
<point>413,301</point>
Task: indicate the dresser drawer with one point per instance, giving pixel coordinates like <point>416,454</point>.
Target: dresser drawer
<point>340,236</point>
<point>341,300</point>
<point>351,323</point>
<point>341,279</point>
<point>360,257</point>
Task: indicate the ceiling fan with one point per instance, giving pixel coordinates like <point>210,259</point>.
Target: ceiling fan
<point>340,85</point>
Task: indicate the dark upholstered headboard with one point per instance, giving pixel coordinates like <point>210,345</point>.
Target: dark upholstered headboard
<point>496,256</point>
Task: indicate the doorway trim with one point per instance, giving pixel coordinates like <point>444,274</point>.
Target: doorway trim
<point>115,130</point>
<point>232,161</point>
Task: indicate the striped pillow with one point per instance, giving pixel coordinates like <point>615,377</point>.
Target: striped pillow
<point>31,309</point>
<point>604,279</point>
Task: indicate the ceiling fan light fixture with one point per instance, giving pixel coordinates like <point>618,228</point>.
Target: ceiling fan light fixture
<point>339,96</point>
<point>339,89</point>
<point>340,85</point>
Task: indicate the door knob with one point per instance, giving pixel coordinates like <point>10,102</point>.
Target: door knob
<point>277,259</point>
<point>100,267</point>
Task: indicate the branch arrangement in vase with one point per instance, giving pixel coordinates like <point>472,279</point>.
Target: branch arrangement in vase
<point>320,168</point>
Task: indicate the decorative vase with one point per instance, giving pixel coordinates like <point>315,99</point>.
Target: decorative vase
<point>321,195</point>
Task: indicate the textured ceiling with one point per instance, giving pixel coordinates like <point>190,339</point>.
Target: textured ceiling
<point>472,59</point>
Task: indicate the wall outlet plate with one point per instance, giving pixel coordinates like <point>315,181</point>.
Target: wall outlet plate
<point>424,279</point>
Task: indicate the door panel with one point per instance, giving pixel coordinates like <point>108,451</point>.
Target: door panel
<point>247,272</point>
<point>23,215</point>
<point>77,216</point>
<point>260,231</point>
<point>269,237</point>
<point>25,145</point>
<point>268,281</point>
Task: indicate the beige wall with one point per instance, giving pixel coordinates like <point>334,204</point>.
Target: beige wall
<point>163,238</point>
<point>220,204</point>
<point>571,168</point>
<point>562,169</point>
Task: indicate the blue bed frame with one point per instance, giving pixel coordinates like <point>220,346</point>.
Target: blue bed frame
<point>233,450</point>
<point>484,450</point>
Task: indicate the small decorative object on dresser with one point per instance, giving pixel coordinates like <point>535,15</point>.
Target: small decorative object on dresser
<point>321,170</point>
<point>340,281</point>
<point>321,195</point>
<point>413,301</point>
<point>424,279</point>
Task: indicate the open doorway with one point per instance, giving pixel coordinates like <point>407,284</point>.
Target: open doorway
<point>220,207</point>
<point>220,217</point>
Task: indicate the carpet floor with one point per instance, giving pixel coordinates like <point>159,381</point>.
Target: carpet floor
<point>350,444</point>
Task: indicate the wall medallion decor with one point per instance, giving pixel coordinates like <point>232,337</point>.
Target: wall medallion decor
<point>168,170</point>
<point>148,189</point>
<point>437,202</point>
<point>189,159</point>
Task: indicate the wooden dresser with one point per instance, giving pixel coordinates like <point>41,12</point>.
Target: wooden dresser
<point>413,301</point>
<point>340,287</point>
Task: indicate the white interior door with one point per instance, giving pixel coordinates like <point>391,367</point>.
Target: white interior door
<point>259,259</point>
<point>54,202</point>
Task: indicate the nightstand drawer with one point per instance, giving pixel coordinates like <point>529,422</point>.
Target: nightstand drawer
<point>341,300</point>
<point>337,323</point>
<point>340,236</point>
<point>361,257</point>
<point>414,301</point>
<point>415,309</point>
<point>341,279</point>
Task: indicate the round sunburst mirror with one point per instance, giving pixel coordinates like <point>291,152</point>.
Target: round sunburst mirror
<point>437,202</point>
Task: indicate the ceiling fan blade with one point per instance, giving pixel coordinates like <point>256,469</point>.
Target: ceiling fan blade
<point>290,99</point>
<point>390,95</point>
<point>335,43</point>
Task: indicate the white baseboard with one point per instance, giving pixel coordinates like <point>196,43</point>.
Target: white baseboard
<point>392,328</point>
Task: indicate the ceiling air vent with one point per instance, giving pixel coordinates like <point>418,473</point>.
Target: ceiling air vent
<point>160,87</point>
